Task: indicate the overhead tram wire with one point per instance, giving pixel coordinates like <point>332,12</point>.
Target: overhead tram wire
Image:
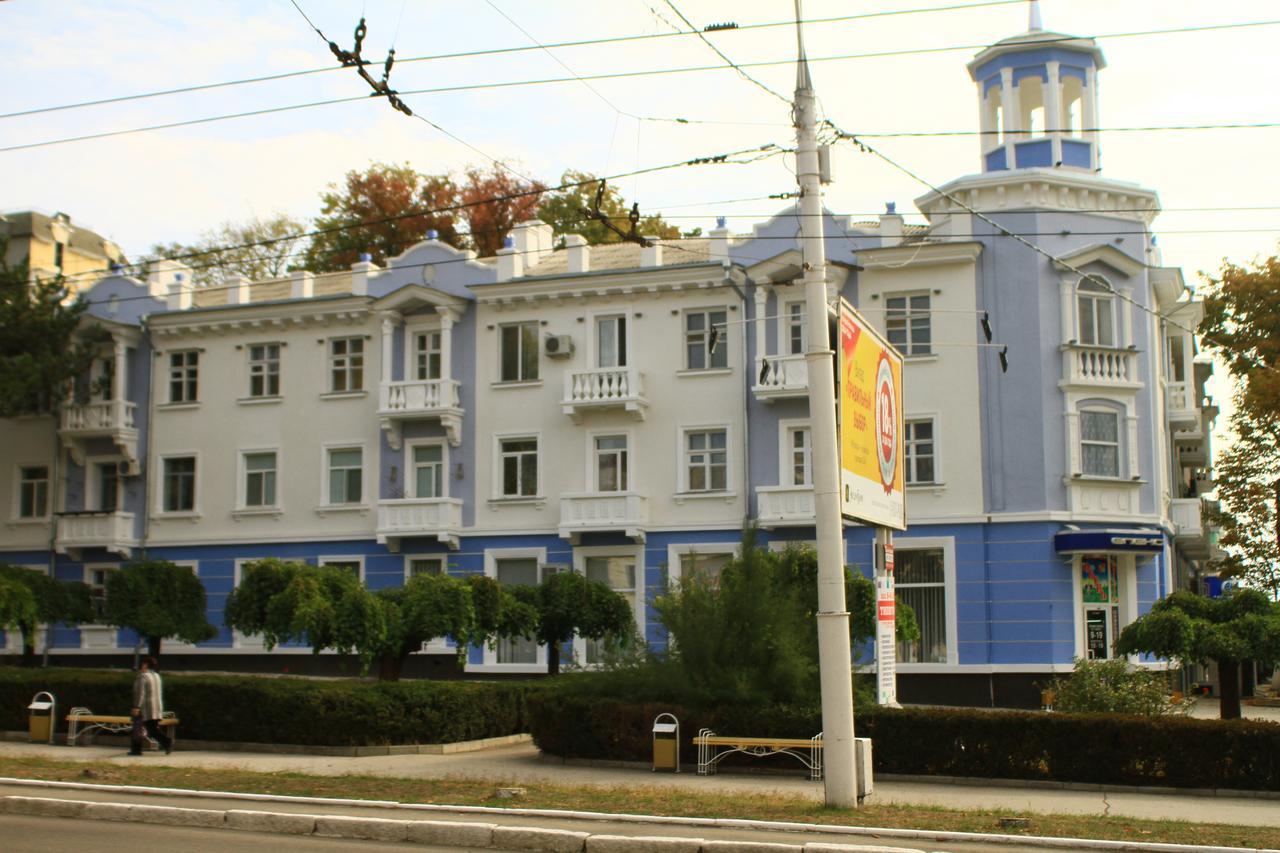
<point>720,53</point>
<point>473,87</point>
<point>494,52</point>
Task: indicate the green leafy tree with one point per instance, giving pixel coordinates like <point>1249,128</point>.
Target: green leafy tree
<point>382,211</point>
<point>159,600</point>
<point>424,609</point>
<point>1243,625</point>
<point>566,605</point>
<point>257,249</point>
<point>55,601</point>
<point>17,604</point>
<point>1242,324</point>
<point>45,346</point>
<point>563,211</point>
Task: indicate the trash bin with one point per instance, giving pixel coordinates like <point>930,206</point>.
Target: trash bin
<point>40,722</point>
<point>666,743</point>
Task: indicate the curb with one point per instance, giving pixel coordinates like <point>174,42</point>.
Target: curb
<point>71,809</point>
<point>186,744</point>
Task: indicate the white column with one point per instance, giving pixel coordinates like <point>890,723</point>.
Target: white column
<point>118,375</point>
<point>762,303</point>
<point>1074,468</point>
<point>1053,112</point>
<point>1089,117</point>
<point>388,337</point>
<point>1126,318</point>
<point>446,343</point>
<point>1065,289</point>
<point>1012,115</point>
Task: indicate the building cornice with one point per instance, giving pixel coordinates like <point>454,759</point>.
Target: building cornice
<point>1057,190</point>
<point>919,255</point>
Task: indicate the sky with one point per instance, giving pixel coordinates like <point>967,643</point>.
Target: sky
<point>170,185</point>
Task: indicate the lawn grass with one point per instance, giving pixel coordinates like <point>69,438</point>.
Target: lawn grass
<point>648,800</point>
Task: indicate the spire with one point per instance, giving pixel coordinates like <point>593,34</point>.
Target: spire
<point>1036,24</point>
<point>803,81</point>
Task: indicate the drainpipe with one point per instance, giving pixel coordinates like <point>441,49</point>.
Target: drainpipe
<point>732,272</point>
<point>54,480</point>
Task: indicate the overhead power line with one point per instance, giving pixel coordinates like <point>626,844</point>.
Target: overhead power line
<point>720,53</point>
<point>472,87</point>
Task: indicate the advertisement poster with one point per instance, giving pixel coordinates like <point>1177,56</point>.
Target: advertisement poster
<point>871,463</point>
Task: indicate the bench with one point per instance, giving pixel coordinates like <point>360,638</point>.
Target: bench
<point>713,747</point>
<point>83,723</point>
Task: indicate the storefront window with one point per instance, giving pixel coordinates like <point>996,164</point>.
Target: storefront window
<point>1100,600</point>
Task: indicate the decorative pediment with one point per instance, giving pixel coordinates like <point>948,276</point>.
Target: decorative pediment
<point>1101,253</point>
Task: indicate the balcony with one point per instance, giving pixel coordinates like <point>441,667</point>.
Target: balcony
<point>1195,535</point>
<point>781,376</point>
<point>604,388</point>
<point>423,399</point>
<point>113,419</point>
<point>604,512</point>
<point>112,531</point>
<point>400,518</point>
<point>1100,367</point>
<point>785,506</point>
<point>1179,405</point>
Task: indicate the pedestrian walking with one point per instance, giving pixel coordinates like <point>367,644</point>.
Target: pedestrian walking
<point>148,708</point>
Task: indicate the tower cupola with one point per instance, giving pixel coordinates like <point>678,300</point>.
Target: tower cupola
<point>1038,100</point>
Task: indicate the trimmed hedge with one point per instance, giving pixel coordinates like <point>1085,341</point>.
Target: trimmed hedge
<point>1101,749</point>
<point>253,709</point>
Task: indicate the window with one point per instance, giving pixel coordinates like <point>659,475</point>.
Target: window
<point>520,571</point>
<point>611,463</point>
<point>426,355</point>
<point>704,340</point>
<point>354,565</point>
<point>921,452</point>
<point>920,582</point>
<point>1100,443</point>
<point>59,251</point>
<point>184,369</point>
<point>907,323</point>
<point>518,352</point>
<point>619,574</point>
<point>519,458</point>
<point>423,566</point>
<point>611,342</point>
<point>179,484</point>
<point>264,370</point>
<point>1096,308</point>
<point>346,475</point>
<point>428,471</point>
<point>96,578</point>
<point>260,479</point>
<point>346,365</point>
<point>1100,599</point>
<point>706,460</point>
<point>107,485</point>
<point>705,566</point>
<point>797,330</point>
<point>33,491</point>
<point>799,457</point>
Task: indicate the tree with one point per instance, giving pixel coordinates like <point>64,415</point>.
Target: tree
<point>566,604</point>
<point>1242,324</point>
<point>256,249</point>
<point>382,211</point>
<point>159,600</point>
<point>1242,625</point>
<point>55,601</point>
<point>562,210</point>
<point>17,605</point>
<point>424,609</point>
<point>43,347</point>
<point>494,202</point>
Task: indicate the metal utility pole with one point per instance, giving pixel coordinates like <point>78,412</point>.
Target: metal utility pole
<point>835,662</point>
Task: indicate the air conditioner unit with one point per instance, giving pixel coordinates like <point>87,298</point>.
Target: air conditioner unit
<point>559,346</point>
<point>128,467</point>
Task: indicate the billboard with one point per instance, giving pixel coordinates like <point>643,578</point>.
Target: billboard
<point>872,467</point>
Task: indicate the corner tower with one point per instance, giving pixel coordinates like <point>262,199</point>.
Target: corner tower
<point>1038,100</point>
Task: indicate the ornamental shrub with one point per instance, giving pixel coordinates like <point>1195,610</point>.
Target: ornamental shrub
<point>1111,687</point>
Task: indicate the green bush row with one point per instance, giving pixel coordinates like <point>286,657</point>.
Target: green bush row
<point>251,709</point>
<point>1100,749</point>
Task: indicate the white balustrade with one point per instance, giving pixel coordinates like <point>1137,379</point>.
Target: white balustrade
<point>112,530</point>
<point>602,386</point>
<point>781,374</point>
<point>1102,366</point>
<point>99,417</point>
<point>603,511</point>
<point>785,504</point>
<point>419,516</point>
<point>425,395</point>
<point>1185,513</point>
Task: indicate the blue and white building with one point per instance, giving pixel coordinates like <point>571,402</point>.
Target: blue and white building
<point>625,412</point>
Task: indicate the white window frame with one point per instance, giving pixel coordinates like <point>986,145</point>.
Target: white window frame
<point>722,344</point>
<point>325,450</point>
<point>710,549</point>
<point>682,461</point>
<point>593,460</point>
<point>411,337</point>
<point>184,376</point>
<point>1097,295</point>
<point>621,319</point>
<point>910,347</point>
<point>329,559</point>
<point>580,555</point>
<point>1128,608</point>
<point>262,368</point>
<point>242,480</point>
<point>947,544</point>
<point>498,466</point>
<point>787,320</point>
<point>346,362</point>
<point>1120,420</point>
<point>161,486</point>
<point>520,378</point>
<point>442,559</point>
<point>908,458</point>
<point>19,482</point>
<point>95,628</point>
<point>786,461</point>
<point>491,557</point>
<point>93,483</point>
<point>411,467</point>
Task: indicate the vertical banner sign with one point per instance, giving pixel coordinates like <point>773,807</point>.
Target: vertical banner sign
<point>871,463</point>
<point>886,640</point>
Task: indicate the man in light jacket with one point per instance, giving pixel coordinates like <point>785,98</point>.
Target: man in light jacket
<point>148,704</point>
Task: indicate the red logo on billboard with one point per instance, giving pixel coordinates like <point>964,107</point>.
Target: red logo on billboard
<point>886,423</point>
<point>884,610</point>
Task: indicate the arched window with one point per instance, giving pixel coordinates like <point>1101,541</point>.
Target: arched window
<point>1100,442</point>
<point>1095,313</point>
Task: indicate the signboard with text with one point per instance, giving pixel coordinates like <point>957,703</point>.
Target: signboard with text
<point>870,397</point>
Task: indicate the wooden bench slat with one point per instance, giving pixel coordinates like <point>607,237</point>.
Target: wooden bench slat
<point>721,740</point>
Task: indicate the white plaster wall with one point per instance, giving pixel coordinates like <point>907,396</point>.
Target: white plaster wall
<point>943,385</point>
<point>27,441</point>
<point>298,427</point>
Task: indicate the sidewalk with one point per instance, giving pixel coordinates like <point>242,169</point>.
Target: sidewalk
<point>523,765</point>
